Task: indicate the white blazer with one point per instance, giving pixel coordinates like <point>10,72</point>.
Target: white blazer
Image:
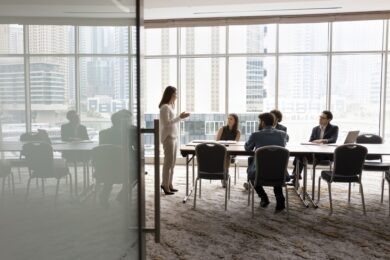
<point>168,121</point>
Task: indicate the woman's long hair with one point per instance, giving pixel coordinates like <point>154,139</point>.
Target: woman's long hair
<point>235,126</point>
<point>168,92</point>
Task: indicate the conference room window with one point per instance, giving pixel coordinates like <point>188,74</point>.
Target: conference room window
<point>303,37</point>
<point>103,40</point>
<point>251,127</point>
<point>387,102</point>
<point>302,92</point>
<point>161,41</point>
<point>52,92</point>
<point>204,91</point>
<point>357,36</point>
<point>104,87</point>
<point>212,127</point>
<point>355,93</point>
<point>203,40</point>
<point>11,39</point>
<point>51,39</point>
<point>12,99</point>
<point>252,38</point>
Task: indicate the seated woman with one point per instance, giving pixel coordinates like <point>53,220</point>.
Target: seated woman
<point>229,132</point>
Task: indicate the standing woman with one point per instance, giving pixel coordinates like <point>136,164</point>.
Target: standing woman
<point>168,136</point>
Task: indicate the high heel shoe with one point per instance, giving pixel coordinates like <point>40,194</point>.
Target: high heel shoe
<point>166,191</point>
<point>173,190</point>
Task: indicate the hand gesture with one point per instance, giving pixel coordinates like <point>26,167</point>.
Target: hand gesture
<point>184,115</point>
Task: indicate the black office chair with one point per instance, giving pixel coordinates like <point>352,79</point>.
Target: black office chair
<point>5,172</point>
<point>108,167</point>
<point>271,170</point>
<point>211,166</point>
<point>348,167</point>
<point>374,162</point>
<point>41,164</point>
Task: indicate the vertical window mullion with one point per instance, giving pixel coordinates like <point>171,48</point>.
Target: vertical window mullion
<point>27,87</point>
<point>383,92</point>
<point>77,70</point>
<point>329,76</point>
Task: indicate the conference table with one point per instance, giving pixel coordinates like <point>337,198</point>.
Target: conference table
<point>80,146</point>
<point>303,150</point>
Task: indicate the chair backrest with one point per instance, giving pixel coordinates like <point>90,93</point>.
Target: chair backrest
<point>107,160</point>
<point>271,165</point>
<point>40,136</point>
<point>349,160</point>
<point>211,160</point>
<point>370,139</point>
<point>39,158</point>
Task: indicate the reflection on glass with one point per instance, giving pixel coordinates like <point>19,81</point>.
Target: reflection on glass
<point>252,38</point>
<point>203,40</point>
<point>357,36</point>
<point>12,99</point>
<point>355,95</point>
<point>11,39</point>
<point>303,37</point>
<point>51,39</point>
<point>107,40</point>
<point>104,87</point>
<point>166,39</point>
<point>302,94</point>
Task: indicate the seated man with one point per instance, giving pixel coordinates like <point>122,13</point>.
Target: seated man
<point>113,135</point>
<point>278,116</point>
<point>267,136</point>
<point>73,131</point>
<point>324,133</point>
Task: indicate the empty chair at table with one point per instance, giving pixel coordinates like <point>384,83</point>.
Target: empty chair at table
<point>40,161</point>
<point>211,166</point>
<point>348,167</point>
<point>374,162</point>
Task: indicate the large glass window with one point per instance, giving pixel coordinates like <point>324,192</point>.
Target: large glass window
<point>51,39</point>
<point>355,93</point>
<point>161,41</point>
<point>252,38</point>
<point>357,36</point>
<point>202,94</point>
<point>302,93</point>
<point>12,99</point>
<point>104,86</point>
<point>251,89</point>
<point>203,40</point>
<point>104,40</point>
<point>11,39</point>
<point>52,91</point>
<point>303,37</point>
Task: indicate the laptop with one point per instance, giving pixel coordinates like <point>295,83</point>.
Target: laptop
<point>351,137</point>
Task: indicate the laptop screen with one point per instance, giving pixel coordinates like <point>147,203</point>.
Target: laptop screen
<point>351,137</point>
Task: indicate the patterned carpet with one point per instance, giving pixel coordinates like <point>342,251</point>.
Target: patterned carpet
<point>211,233</point>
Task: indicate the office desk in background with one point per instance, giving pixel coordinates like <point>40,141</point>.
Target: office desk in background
<point>188,151</point>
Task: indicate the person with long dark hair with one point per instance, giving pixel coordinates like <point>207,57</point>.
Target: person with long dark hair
<point>229,132</point>
<point>168,136</point>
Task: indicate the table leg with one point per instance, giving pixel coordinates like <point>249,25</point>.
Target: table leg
<point>296,187</point>
<point>188,192</point>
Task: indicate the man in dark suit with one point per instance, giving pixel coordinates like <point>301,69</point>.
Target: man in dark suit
<point>267,136</point>
<point>73,131</point>
<point>114,135</point>
<point>324,133</point>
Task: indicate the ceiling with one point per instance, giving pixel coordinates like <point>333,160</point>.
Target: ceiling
<point>171,9</point>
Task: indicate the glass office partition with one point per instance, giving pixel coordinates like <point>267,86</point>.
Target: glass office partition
<point>73,192</point>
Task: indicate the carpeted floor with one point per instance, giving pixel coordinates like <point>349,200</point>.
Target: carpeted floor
<point>209,232</point>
